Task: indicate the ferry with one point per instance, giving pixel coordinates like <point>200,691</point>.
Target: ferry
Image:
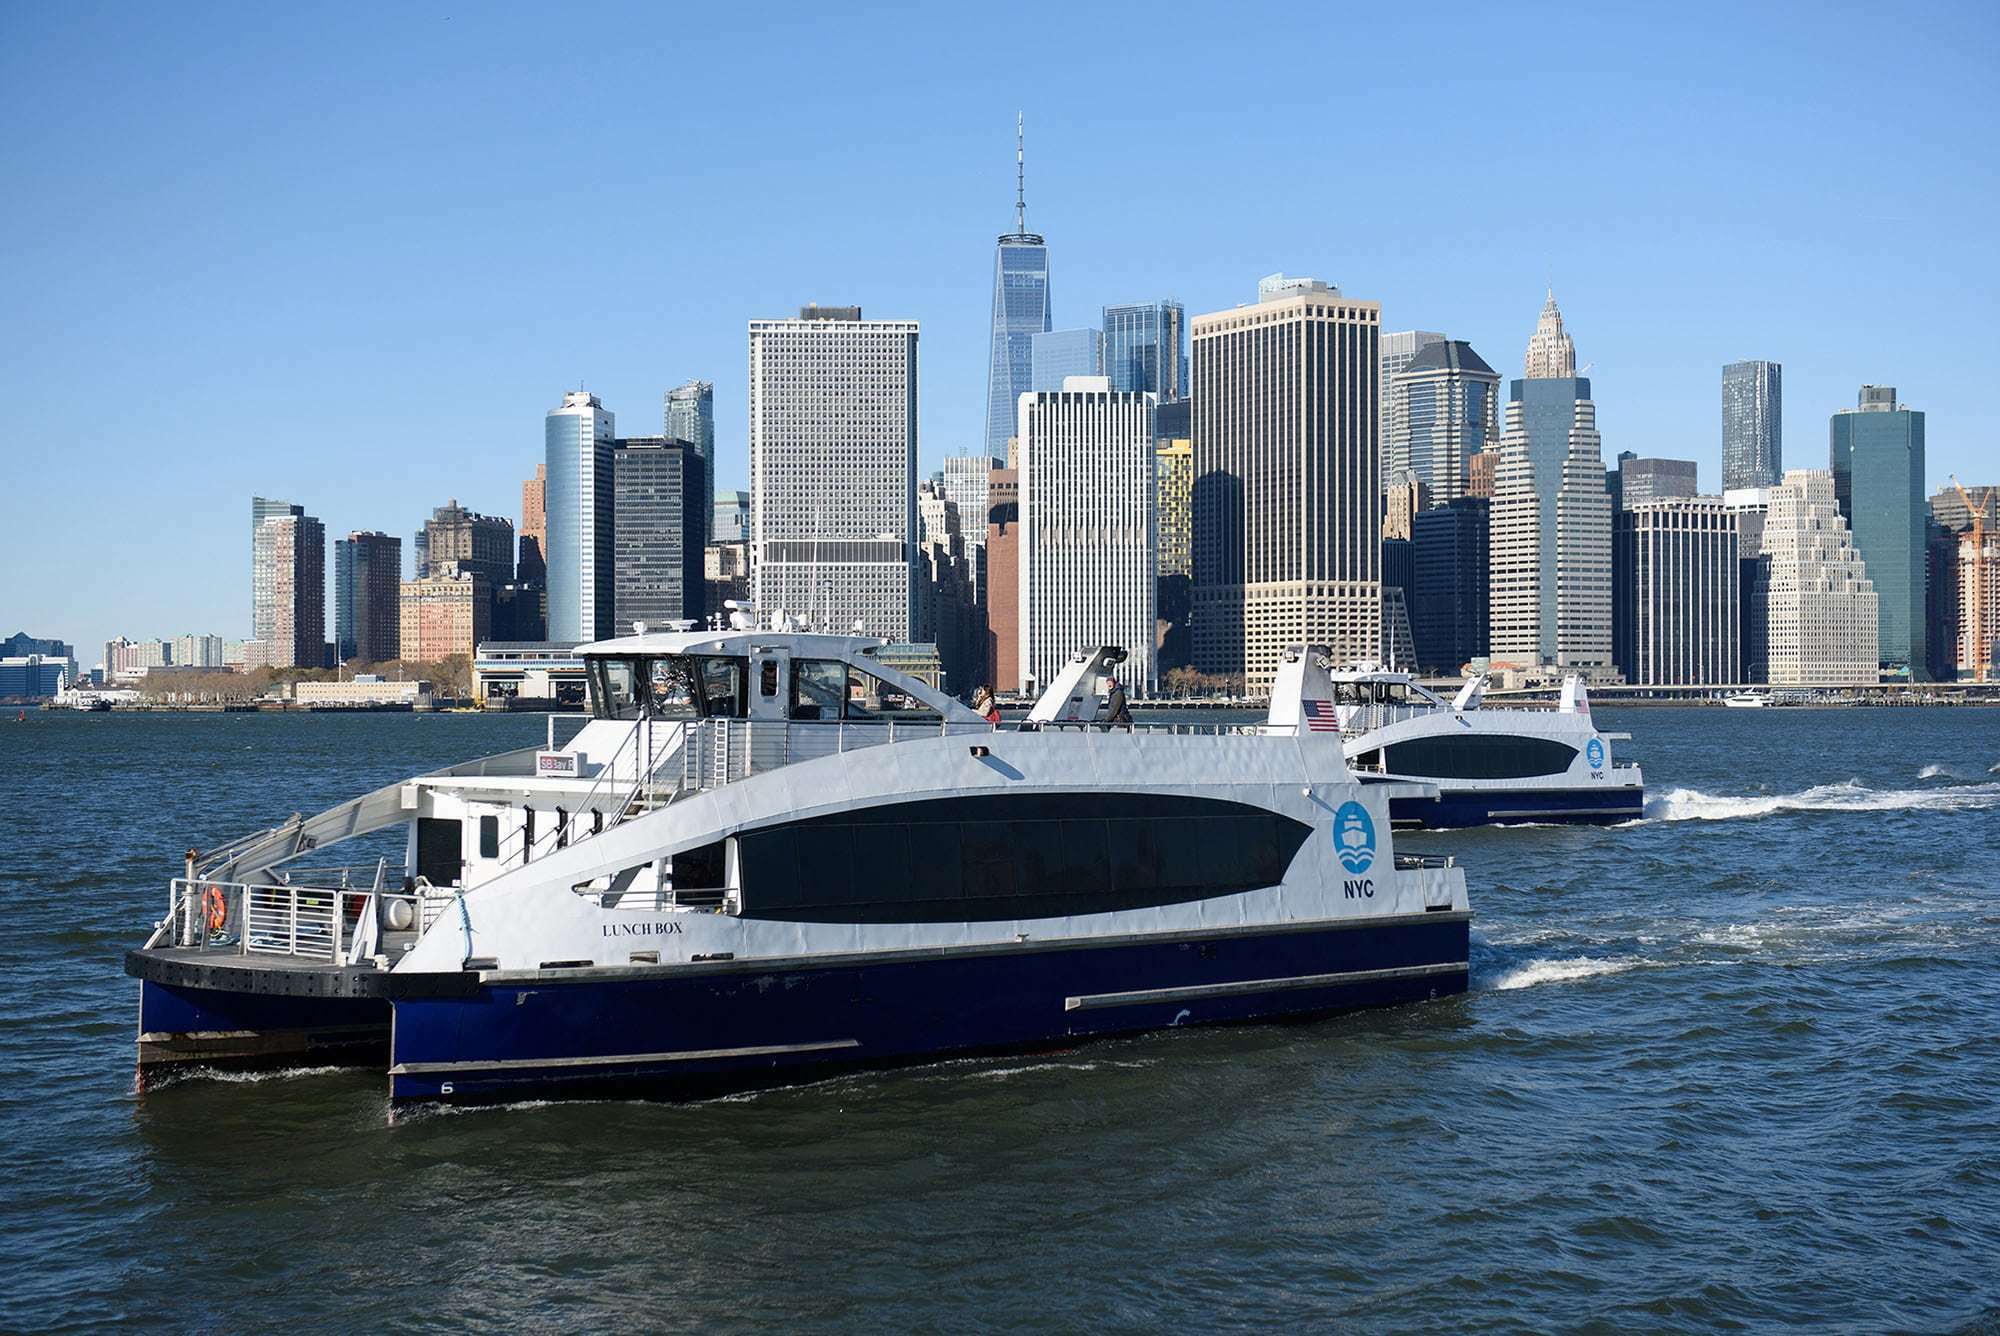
<point>768,856</point>
<point>1747,700</point>
<point>1457,764</point>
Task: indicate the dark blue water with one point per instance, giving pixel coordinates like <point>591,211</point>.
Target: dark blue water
<point>1738,1064</point>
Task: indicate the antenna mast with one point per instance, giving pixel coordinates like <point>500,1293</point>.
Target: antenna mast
<point>1020,175</point>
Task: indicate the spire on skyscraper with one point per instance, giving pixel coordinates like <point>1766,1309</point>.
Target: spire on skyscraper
<point>1551,354</point>
<point>1020,236</point>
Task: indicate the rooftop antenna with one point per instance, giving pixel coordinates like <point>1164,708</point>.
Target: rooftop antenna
<point>1020,174</point>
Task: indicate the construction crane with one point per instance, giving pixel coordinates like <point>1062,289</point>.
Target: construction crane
<point>1978,615</point>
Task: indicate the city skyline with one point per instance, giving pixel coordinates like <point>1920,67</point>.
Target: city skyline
<point>311,328</point>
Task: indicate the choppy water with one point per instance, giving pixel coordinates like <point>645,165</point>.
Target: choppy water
<point>1738,1063</point>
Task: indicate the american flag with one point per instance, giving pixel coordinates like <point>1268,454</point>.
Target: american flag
<point>1321,716</point>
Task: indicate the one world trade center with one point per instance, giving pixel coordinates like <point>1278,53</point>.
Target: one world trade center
<point>1020,310</point>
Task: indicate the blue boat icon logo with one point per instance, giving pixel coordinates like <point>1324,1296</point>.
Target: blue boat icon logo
<point>1594,753</point>
<point>1354,837</point>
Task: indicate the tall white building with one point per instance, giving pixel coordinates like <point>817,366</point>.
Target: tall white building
<point>1551,534</point>
<point>1087,536</point>
<point>198,651</point>
<point>1287,498</point>
<point>1821,628</point>
<point>579,499</point>
<point>1686,588</point>
<point>833,463</point>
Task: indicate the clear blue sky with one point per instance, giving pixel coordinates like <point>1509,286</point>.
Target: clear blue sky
<point>349,256</point>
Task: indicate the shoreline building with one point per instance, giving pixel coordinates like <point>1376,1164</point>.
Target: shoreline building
<point>532,564</point>
<point>1003,587</point>
<point>1876,452</point>
<point>1088,557</point>
<point>1751,506</point>
<point>1448,610</point>
<point>262,607</point>
<point>1287,496</point>
<point>659,496</point>
<point>690,417</point>
<point>1020,311</point>
<point>1680,556</point>
<point>1443,410</point>
<point>1145,349</point>
<point>1753,435</point>
<point>578,490</point>
<point>1398,348</point>
<point>1551,530</point>
<point>367,597</point>
<point>1061,353</point>
<point>833,470</point>
<point>1823,626</point>
<point>445,613</point>
<point>291,569</point>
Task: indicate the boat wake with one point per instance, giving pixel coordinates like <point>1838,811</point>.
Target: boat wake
<point>1560,971</point>
<point>1936,770</point>
<point>1850,796</point>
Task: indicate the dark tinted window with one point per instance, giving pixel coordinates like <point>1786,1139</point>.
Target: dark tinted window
<point>1479,756</point>
<point>489,837</point>
<point>1007,856</point>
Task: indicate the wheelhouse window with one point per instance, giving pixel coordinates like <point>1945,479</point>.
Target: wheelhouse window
<point>614,688</point>
<point>668,687</point>
<point>819,689</point>
<point>719,686</point>
<point>869,697</point>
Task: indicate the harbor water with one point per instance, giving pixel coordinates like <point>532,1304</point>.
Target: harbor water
<point>1737,1064</point>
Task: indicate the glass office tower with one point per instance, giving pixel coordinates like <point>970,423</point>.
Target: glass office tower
<point>1145,349</point>
<point>1020,310</point>
<point>1877,454</point>
<point>1752,425</point>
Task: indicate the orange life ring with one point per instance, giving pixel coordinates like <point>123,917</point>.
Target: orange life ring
<point>216,906</point>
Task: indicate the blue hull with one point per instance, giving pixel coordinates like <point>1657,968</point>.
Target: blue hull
<point>1457,808</point>
<point>686,1031</point>
<point>218,1027</point>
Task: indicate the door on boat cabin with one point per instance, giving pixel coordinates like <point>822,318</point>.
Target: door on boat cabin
<point>440,850</point>
<point>493,841</point>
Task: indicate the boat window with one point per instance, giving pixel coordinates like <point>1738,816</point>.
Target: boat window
<point>1479,756</point>
<point>720,680</point>
<point>489,837</point>
<point>767,678</point>
<point>671,693</point>
<point>1008,856</point>
<point>869,697</point>
<point>819,686</point>
<point>614,688</point>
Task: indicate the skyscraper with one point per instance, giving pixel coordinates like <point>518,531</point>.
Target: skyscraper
<point>691,418</point>
<point>1145,349</point>
<point>659,493</point>
<point>1822,628</point>
<point>263,610</point>
<point>1680,556</point>
<point>1087,555</point>
<point>482,544</point>
<point>582,594</point>
<point>1751,506</point>
<point>1877,454</point>
<point>833,464</point>
<point>1001,561</point>
<point>1287,498</point>
<point>1551,536</point>
<point>533,563</point>
<point>1753,436</point>
<point>1173,476</point>
<point>1020,310</point>
<point>1061,353</point>
<point>1642,480</point>
<point>1448,614</point>
<point>1443,408</point>
<point>732,518</point>
<point>367,596</point>
<point>291,550</point>
<point>1399,347</point>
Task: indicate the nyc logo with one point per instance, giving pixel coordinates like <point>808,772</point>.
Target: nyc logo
<point>1354,837</point>
<point>1594,753</point>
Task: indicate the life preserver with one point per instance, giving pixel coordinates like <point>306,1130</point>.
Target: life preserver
<point>216,906</point>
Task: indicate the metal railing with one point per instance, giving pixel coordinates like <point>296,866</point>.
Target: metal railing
<point>337,925</point>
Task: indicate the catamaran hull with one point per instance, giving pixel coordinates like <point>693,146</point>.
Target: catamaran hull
<point>694,1030</point>
<point>1459,808</point>
<point>209,1016</point>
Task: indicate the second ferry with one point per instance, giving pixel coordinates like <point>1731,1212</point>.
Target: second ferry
<point>769,855</point>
